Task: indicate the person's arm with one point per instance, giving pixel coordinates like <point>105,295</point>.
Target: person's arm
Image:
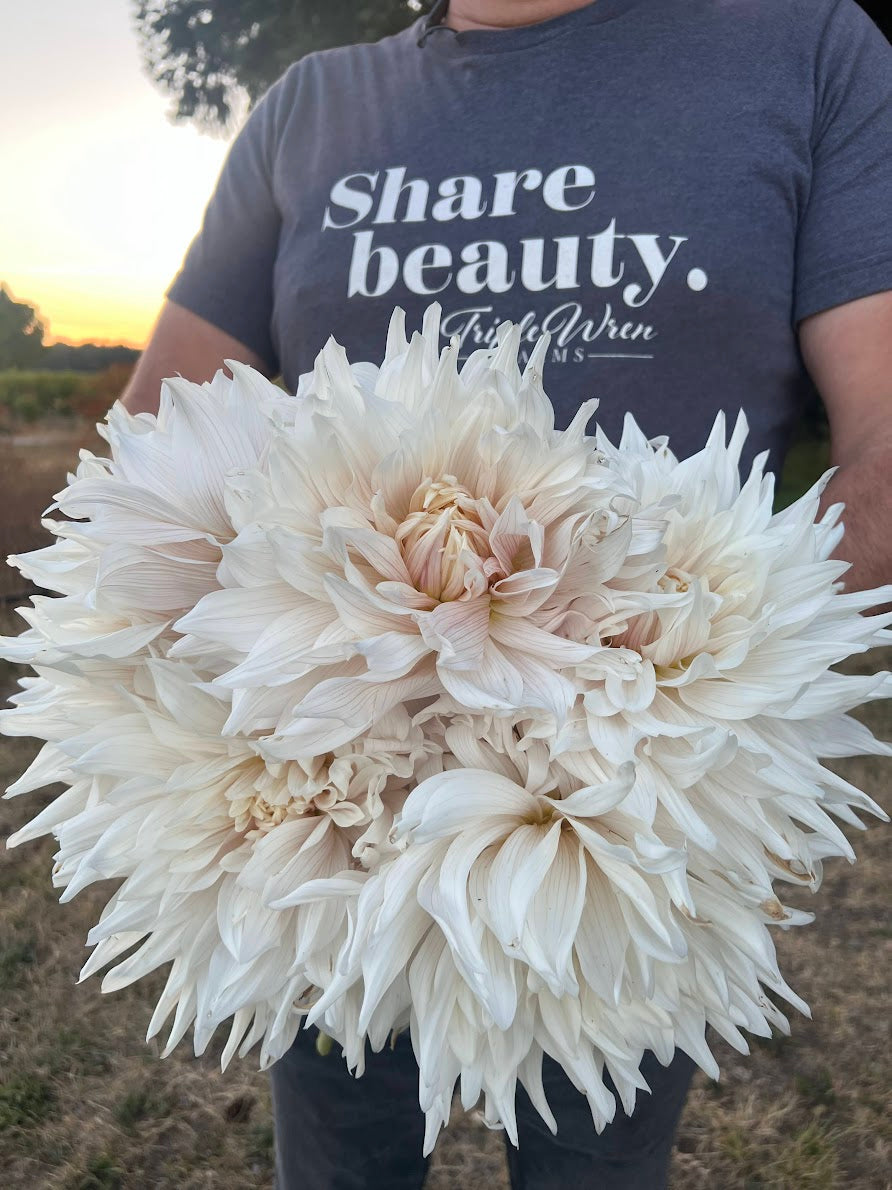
<point>842,307</point>
<point>182,342</point>
<point>848,352</point>
<point>220,303</point>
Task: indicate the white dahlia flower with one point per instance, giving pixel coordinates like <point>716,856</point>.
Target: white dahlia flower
<point>425,530</point>
<point>149,521</point>
<point>393,707</point>
<point>201,827</point>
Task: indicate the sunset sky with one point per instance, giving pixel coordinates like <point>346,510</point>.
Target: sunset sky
<point>99,193</point>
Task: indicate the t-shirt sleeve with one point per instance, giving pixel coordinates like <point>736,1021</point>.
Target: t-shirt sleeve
<point>844,242</point>
<point>227,273</point>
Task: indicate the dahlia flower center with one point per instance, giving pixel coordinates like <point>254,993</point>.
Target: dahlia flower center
<point>262,816</point>
<point>441,525</point>
<point>649,635</point>
<point>542,813</point>
<point>269,793</point>
<point>674,580</point>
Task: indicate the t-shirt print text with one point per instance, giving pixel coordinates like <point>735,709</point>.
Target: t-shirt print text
<point>617,273</point>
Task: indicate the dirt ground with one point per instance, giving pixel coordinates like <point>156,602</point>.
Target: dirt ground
<point>86,1104</point>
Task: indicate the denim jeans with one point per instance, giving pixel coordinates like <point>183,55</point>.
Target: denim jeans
<point>335,1132</point>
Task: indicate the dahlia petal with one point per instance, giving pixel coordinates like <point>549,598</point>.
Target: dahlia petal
<point>594,800</point>
<point>519,864</point>
<point>446,900</point>
<point>278,654</point>
<point>362,611</point>
<point>236,617</point>
<point>340,709</point>
<point>458,799</point>
<point>553,918</point>
<point>545,646</point>
<point>495,684</point>
<point>458,632</point>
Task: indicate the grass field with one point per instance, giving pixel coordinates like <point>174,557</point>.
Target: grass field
<point>86,1104</point>
<point>31,398</point>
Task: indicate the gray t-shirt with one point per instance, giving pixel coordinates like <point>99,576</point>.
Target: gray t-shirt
<point>668,186</point>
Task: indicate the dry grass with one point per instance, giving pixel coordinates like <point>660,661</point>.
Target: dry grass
<point>85,1104</point>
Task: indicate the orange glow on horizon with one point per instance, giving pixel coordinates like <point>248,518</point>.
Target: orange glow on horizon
<point>102,194</point>
<point>93,310</point>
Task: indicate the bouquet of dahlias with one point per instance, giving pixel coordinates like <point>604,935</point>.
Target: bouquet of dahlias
<point>393,707</point>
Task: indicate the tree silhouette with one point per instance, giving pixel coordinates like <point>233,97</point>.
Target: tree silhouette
<point>202,51</point>
<point>21,333</point>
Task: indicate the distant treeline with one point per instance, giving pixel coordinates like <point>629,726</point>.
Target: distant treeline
<point>84,357</point>
<point>22,347</point>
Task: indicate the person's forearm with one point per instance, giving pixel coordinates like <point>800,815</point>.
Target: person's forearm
<point>865,487</point>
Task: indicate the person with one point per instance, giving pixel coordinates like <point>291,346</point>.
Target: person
<point>692,197</point>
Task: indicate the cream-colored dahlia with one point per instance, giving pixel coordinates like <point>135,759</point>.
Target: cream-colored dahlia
<point>201,827</point>
<point>394,707</point>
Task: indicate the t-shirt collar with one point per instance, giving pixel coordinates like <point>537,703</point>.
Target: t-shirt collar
<point>435,37</point>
